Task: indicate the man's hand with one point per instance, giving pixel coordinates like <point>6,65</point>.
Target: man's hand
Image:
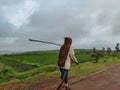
<point>77,63</point>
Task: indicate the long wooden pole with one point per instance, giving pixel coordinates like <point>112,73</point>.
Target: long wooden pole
<point>45,42</point>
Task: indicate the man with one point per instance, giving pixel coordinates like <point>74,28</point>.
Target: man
<point>66,54</point>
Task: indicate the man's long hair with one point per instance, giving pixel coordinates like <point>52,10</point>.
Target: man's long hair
<point>67,43</point>
<point>64,51</point>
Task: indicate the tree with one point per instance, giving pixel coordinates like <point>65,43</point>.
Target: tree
<point>109,50</point>
<point>117,47</point>
<point>96,55</point>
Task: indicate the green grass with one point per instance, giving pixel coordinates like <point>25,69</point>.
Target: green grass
<point>44,63</point>
<point>88,68</point>
<point>16,64</point>
<point>44,58</point>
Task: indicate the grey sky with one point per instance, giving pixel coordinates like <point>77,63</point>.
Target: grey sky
<point>90,23</point>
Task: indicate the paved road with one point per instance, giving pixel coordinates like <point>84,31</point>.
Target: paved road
<point>106,80</point>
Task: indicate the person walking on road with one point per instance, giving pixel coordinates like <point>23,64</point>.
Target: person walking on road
<point>66,55</point>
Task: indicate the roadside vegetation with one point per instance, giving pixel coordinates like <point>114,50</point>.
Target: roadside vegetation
<point>32,65</point>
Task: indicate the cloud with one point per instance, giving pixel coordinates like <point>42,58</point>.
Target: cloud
<point>56,23</point>
<point>6,28</point>
<point>19,12</point>
<point>90,23</point>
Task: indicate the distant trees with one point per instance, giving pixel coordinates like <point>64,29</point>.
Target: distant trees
<point>109,50</point>
<point>96,55</point>
<point>103,50</point>
<point>117,47</point>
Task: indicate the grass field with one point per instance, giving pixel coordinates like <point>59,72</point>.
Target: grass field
<point>44,63</point>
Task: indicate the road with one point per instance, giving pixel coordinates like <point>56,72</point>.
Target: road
<point>108,79</point>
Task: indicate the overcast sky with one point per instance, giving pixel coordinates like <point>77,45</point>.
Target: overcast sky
<point>90,23</point>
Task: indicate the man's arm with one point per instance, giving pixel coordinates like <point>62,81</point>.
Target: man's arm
<point>72,56</point>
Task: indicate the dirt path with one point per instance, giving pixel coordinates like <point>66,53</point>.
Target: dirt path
<point>108,79</point>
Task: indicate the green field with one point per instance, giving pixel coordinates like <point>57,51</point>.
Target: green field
<point>44,63</point>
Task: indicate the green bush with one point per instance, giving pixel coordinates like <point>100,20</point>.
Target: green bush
<point>6,74</point>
